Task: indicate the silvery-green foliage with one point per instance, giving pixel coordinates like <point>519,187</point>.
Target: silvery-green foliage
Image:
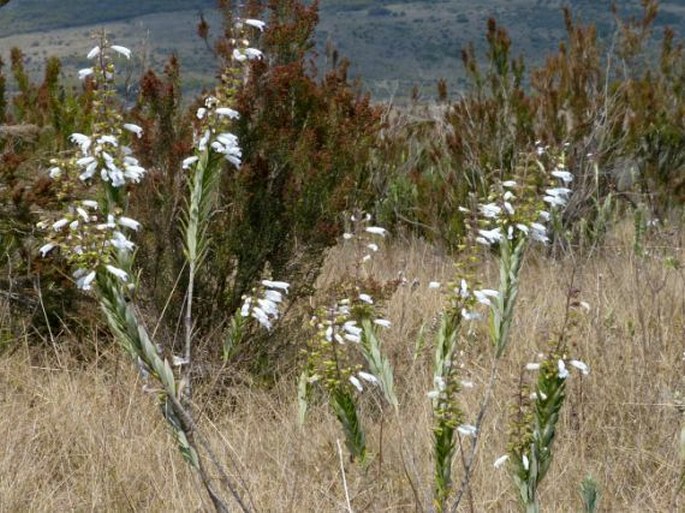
<point>378,363</point>
<point>589,491</point>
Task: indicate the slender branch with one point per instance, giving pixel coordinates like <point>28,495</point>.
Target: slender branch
<point>468,467</point>
<point>344,479</point>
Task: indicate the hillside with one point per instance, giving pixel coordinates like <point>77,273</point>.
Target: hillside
<point>393,44</point>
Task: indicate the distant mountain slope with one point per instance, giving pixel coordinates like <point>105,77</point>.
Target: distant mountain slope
<point>20,16</point>
<point>392,44</point>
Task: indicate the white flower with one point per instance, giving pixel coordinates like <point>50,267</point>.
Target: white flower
<point>488,237</point>
<point>122,50</point>
<point>120,241</point>
<point>58,225</point>
<point>269,307</point>
<point>509,208</point>
<point>366,258</point>
<point>470,316</point>
<point>201,113</point>
<point>253,53</point>
<point>433,394</point>
<point>434,285</point>
<point>554,201</point>
<point>532,366</point>
<point>352,328</point>
<point>44,250</point>
<point>539,232</point>
<point>559,191</point>
<point>273,295</point>
<point>557,196</point>
<point>129,223</point>
<point>119,273</point>
<point>134,173</point>
<point>483,296</point>
<point>564,175</point>
<point>347,236</point>
<point>83,214</point>
<point>563,371</point>
<point>261,317</point>
<point>178,361</point>
<point>523,228</point>
<point>239,56</point>
<point>467,430</point>
<point>581,366</point>
<point>281,285</point>
<point>526,463</point>
<point>366,298</point>
<point>382,323</point>
<point>85,72</point>
<point>187,162</point>
<point>463,289</point>
<point>349,337</point>
<point>509,184</point>
<point>490,210</point>
<point>357,384</point>
<point>439,383</point>
<point>373,247</point>
<point>227,112</point>
<point>108,139</point>
<point>84,279</point>
<point>376,230</point>
<point>55,172</point>
<point>93,53</point>
<point>368,377</point>
<point>131,127</point>
<point>500,461</point>
<point>90,204</point>
<point>255,23</point>
<point>82,140</point>
<point>245,309</point>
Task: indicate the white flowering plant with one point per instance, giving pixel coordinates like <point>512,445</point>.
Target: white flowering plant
<point>94,237</point>
<point>346,333</point>
<point>512,217</point>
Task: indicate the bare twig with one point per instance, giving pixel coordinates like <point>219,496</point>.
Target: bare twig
<point>344,479</point>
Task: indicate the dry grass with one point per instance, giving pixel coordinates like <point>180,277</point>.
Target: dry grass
<point>85,439</point>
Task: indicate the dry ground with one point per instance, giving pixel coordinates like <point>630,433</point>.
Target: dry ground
<point>82,437</point>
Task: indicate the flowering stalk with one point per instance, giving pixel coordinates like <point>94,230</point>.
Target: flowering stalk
<point>446,413</point>
<point>330,365</point>
<point>213,143</point>
<point>344,331</point>
<point>510,227</point>
<point>531,452</point>
<point>92,235</point>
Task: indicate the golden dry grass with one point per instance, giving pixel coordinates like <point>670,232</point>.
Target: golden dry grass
<point>84,438</point>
